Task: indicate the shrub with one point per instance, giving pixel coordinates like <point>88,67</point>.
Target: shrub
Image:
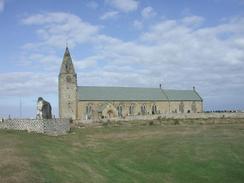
<point>176,122</point>
<point>151,123</point>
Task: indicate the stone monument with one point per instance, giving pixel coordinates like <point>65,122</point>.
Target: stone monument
<point>44,109</point>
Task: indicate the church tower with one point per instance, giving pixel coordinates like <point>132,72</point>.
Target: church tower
<point>67,88</point>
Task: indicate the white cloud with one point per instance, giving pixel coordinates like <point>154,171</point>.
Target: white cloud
<point>87,63</point>
<point>27,83</point>
<point>124,5</point>
<point>138,24</point>
<point>109,15</point>
<point>148,12</point>
<point>193,20</point>
<point>40,59</point>
<point>1,5</point>
<point>58,28</point>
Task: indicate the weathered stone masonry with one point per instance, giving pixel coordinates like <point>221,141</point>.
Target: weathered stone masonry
<point>46,126</point>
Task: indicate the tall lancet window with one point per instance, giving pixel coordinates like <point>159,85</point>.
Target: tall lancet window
<point>154,109</point>
<point>120,110</point>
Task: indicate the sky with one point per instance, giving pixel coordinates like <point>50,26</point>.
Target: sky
<point>138,43</point>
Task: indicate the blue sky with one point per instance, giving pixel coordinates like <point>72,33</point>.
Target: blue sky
<point>122,43</point>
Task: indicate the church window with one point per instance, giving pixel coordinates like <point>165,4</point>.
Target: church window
<point>120,111</point>
<point>154,109</point>
<point>143,109</point>
<point>88,112</point>
<point>131,109</point>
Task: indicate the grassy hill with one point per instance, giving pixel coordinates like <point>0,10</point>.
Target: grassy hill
<point>154,153</point>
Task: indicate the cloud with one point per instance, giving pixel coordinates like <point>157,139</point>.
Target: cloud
<point>36,60</point>
<point>58,28</point>
<point>148,12</point>
<point>27,83</point>
<point>193,20</point>
<point>1,5</point>
<point>109,15</point>
<point>138,24</point>
<point>124,5</point>
<point>87,63</point>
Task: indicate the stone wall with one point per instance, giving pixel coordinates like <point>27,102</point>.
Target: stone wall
<point>163,107</point>
<point>171,116</point>
<point>67,96</point>
<point>50,126</point>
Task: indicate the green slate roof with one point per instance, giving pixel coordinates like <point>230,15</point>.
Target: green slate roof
<point>96,93</point>
<point>182,95</point>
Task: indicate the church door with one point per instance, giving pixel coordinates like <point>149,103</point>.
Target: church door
<point>110,114</point>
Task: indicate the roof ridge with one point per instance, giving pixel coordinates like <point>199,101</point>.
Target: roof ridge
<point>120,87</point>
<point>178,90</point>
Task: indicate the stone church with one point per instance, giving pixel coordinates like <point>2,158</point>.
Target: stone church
<point>95,102</point>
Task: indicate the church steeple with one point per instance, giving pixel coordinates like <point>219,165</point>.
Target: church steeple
<point>67,66</point>
<point>67,87</point>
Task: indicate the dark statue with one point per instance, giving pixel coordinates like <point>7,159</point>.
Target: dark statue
<point>44,109</point>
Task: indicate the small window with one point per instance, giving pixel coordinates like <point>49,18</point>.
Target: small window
<point>143,109</point>
<point>88,112</point>
<point>154,109</point>
<point>131,109</point>
<point>120,110</point>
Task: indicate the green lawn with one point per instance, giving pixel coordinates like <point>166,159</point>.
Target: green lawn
<point>156,153</point>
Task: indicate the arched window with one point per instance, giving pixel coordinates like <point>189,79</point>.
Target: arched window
<point>88,111</point>
<point>154,109</point>
<point>120,110</point>
<point>131,109</point>
<point>143,109</point>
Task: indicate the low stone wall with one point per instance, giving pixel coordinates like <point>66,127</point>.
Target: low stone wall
<point>170,116</point>
<point>50,126</point>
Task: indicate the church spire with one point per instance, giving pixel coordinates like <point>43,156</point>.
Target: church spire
<point>67,66</point>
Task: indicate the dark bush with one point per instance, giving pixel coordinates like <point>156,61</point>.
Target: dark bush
<point>176,122</point>
<point>151,123</point>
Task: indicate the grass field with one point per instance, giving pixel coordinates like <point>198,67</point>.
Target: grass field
<point>156,153</point>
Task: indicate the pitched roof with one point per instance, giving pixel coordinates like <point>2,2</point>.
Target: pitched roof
<point>182,95</point>
<point>96,93</point>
